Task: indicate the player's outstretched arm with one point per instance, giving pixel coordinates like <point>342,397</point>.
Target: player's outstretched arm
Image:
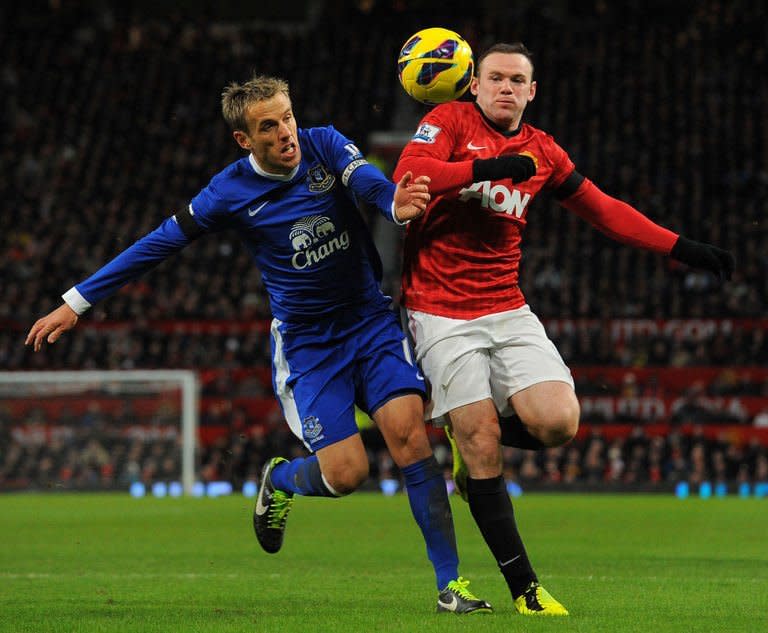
<point>411,197</point>
<point>624,223</point>
<point>51,326</point>
<point>135,260</point>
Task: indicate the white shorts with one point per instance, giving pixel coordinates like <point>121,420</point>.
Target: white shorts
<point>493,356</point>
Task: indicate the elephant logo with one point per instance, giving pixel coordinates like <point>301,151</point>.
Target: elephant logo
<point>314,238</point>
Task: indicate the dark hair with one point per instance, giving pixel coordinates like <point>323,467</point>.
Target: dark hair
<point>507,49</point>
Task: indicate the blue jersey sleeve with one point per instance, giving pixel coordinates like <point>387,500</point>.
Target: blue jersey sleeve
<point>134,261</point>
<point>365,180</point>
<point>208,212</point>
<point>209,208</point>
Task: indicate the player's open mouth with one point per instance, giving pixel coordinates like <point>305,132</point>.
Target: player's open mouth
<point>289,150</point>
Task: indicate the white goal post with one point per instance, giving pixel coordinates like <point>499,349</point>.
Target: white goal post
<point>48,384</point>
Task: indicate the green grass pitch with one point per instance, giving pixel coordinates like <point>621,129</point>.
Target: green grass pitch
<point>102,562</point>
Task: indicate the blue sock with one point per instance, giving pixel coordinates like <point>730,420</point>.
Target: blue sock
<point>429,503</point>
<point>301,476</point>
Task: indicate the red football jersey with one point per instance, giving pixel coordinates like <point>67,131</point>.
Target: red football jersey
<point>461,257</point>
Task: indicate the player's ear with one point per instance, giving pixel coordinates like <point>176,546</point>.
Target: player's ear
<point>242,139</point>
<point>473,86</point>
<point>532,93</point>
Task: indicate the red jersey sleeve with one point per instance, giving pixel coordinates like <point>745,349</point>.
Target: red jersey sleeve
<point>618,220</point>
<point>429,152</point>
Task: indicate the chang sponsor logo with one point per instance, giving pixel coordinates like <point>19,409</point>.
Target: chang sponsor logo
<point>314,238</point>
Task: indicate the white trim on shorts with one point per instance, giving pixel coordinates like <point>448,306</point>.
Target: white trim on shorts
<point>282,390</point>
<point>490,357</point>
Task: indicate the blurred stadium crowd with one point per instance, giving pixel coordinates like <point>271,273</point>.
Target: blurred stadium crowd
<point>111,122</point>
<point>94,452</point>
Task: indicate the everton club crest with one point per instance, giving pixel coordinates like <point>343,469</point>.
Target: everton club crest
<point>319,180</point>
<point>312,428</point>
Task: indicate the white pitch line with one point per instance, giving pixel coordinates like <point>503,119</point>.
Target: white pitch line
<point>139,576</point>
<point>194,576</point>
<point>594,578</point>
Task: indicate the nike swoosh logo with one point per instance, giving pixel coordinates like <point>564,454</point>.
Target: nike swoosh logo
<point>260,507</point>
<point>471,145</point>
<point>511,560</point>
<point>255,210</point>
<point>450,606</point>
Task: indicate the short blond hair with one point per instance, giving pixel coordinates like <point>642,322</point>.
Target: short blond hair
<point>236,98</point>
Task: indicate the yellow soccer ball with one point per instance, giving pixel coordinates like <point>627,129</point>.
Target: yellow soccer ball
<point>435,65</point>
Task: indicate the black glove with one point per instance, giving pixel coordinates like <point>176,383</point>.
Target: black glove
<point>518,167</point>
<point>705,256</point>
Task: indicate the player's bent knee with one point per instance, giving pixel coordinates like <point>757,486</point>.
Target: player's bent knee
<point>484,434</point>
<point>479,445</point>
<point>408,433</point>
<point>563,434</point>
<point>562,429</point>
<point>347,478</point>
<point>407,440</point>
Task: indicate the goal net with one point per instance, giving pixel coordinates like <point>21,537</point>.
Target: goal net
<point>98,430</point>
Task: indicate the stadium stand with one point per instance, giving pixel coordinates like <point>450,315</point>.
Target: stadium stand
<point>111,123</point>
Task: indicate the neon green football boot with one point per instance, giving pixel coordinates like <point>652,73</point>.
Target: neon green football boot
<point>456,598</point>
<point>271,511</point>
<point>538,601</point>
<point>460,472</point>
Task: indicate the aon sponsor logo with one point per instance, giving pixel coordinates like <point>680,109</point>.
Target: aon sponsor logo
<point>497,197</point>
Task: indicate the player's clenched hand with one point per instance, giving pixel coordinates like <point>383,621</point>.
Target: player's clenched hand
<point>411,197</point>
<point>518,167</point>
<point>51,326</point>
<point>705,256</point>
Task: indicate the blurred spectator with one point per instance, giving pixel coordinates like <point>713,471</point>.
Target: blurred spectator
<point>126,86</point>
<point>761,419</point>
<point>107,460</point>
<point>116,191</point>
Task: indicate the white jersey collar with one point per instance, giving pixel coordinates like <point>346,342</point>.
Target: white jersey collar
<point>266,174</point>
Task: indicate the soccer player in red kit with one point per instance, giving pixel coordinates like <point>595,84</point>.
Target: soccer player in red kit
<point>484,352</point>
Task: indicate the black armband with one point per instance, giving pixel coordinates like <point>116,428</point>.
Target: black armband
<point>569,186</point>
<point>191,229</point>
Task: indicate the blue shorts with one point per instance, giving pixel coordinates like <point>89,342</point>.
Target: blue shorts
<point>321,370</point>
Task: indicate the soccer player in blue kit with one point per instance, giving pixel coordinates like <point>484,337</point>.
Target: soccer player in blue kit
<point>335,341</point>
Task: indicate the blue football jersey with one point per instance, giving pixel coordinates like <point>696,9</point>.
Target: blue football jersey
<point>304,230</point>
